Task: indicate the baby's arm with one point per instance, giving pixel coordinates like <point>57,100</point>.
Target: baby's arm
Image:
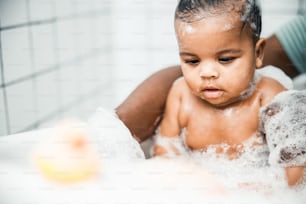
<point>168,139</point>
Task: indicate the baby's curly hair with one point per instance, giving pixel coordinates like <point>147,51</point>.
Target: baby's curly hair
<point>193,10</point>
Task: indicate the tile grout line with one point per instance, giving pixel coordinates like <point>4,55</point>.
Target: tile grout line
<point>81,99</point>
<point>53,20</point>
<point>33,79</point>
<point>6,108</point>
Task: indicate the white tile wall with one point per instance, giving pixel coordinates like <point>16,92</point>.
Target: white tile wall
<point>21,105</point>
<point>43,47</point>
<point>102,33</point>
<point>102,98</point>
<point>66,38</point>
<point>83,40</point>
<point>3,130</point>
<point>104,4</point>
<point>139,43</point>
<point>63,8</point>
<point>68,80</point>
<point>16,53</point>
<point>105,99</point>
<point>13,12</point>
<point>283,7</point>
<point>0,71</point>
<point>47,95</point>
<point>271,23</point>
<point>41,9</point>
<point>82,6</point>
<point>92,76</point>
<point>72,114</point>
<point>277,13</point>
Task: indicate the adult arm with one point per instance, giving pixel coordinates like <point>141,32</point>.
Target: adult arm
<point>286,47</point>
<point>276,55</point>
<point>142,110</point>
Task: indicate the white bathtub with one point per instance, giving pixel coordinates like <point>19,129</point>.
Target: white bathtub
<point>124,181</point>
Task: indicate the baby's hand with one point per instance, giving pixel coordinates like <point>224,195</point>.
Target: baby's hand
<point>168,146</point>
<point>295,175</point>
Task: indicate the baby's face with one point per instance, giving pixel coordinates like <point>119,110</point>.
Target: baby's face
<point>218,57</point>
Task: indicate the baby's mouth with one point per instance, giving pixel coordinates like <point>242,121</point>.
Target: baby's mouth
<point>212,93</point>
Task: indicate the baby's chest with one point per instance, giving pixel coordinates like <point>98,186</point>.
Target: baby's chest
<point>213,130</point>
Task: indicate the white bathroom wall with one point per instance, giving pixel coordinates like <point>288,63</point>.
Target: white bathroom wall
<point>64,58</point>
<point>277,12</point>
<point>54,61</point>
<point>143,41</point>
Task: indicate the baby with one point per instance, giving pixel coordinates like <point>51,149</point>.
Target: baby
<point>217,101</point>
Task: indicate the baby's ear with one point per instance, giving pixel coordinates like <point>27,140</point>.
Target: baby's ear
<point>259,51</point>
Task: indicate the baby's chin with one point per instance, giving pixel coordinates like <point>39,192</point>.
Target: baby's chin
<point>223,103</point>
<point>247,93</point>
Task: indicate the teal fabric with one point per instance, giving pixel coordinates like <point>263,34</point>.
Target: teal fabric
<point>292,37</point>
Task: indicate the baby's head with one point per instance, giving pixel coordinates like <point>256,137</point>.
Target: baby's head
<point>248,12</point>
<point>219,48</point>
<point>283,122</point>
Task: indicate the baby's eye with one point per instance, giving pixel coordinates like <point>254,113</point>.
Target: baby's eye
<point>192,61</point>
<point>225,60</point>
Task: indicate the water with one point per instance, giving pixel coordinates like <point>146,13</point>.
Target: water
<point>247,178</point>
<point>193,178</point>
<point>196,176</point>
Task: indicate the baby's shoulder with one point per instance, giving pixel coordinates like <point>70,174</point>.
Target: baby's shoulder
<point>180,84</point>
<point>268,88</point>
<point>179,81</point>
<point>180,90</point>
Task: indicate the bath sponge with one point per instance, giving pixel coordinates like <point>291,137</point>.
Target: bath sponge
<point>282,121</point>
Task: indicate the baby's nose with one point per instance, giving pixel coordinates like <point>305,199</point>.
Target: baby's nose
<point>208,70</point>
